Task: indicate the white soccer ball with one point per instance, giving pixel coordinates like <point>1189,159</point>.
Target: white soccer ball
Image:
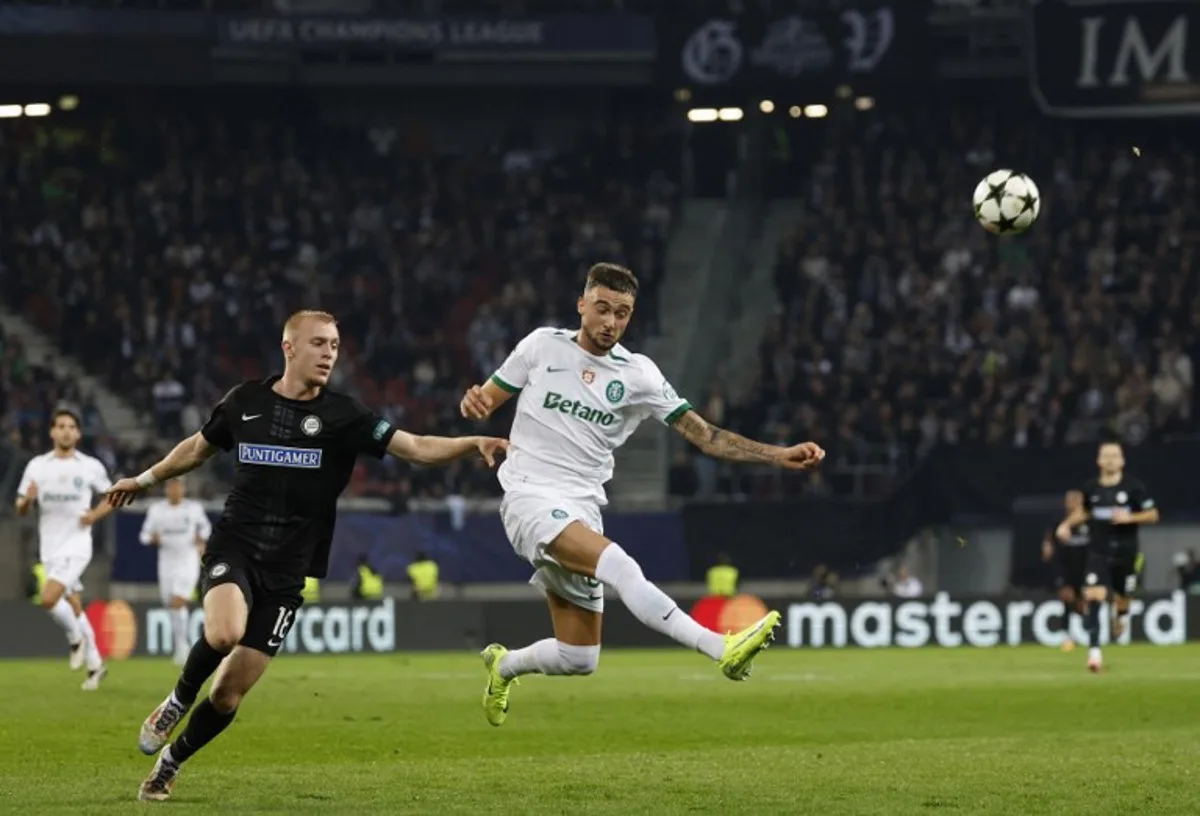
<point>1007,202</point>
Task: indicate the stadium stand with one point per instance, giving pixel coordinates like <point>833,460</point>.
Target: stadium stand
<point>901,325</point>
<point>165,249</point>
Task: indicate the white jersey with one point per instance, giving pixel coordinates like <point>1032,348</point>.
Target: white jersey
<point>65,488</point>
<point>178,526</point>
<point>573,410</point>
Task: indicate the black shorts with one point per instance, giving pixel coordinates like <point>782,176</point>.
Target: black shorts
<point>1072,567</point>
<point>272,597</point>
<point>1119,572</point>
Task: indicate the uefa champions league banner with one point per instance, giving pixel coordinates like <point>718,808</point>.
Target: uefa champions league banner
<point>861,42</point>
<point>577,36</point>
<point>1116,58</point>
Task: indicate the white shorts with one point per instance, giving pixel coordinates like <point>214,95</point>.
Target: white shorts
<point>177,576</point>
<point>67,568</point>
<point>532,522</point>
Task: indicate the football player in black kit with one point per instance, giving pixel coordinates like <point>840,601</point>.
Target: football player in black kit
<point>1114,504</point>
<point>296,444</point>
<point>1071,557</point>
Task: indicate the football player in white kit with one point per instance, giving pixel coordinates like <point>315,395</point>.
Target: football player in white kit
<point>580,395</point>
<point>62,483</point>
<point>179,527</point>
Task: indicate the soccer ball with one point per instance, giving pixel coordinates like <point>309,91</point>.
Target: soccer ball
<point>1007,202</point>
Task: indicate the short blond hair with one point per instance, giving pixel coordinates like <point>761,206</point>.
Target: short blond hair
<point>299,317</point>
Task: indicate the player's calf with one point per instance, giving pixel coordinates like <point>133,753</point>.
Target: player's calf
<point>550,657</point>
<point>213,715</point>
<point>583,551</point>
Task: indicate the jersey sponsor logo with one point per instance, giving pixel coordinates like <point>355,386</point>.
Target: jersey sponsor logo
<point>614,391</point>
<point>279,456</point>
<point>982,622</point>
<point>555,402</point>
<point>310,425</point>
<point>589,376</point>
<point>1122,497</point>
<point>554,370</point>
<point>558,514</point>
<point>50,497</point>
<point>218,570</point>
<point>668,391</point>
<point>248,417</point>
<point>381,428</point>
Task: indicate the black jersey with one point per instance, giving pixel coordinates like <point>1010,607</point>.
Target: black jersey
<point>1101,502</point>
<point>1081,536</point>
<point>294,458</point>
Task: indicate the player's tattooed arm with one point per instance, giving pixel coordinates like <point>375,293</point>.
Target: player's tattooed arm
<point>722,444</point>
<point>439,450</point>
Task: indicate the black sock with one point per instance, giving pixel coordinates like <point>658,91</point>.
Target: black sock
<point>1066,620</point>
<point>1092,623</point>
<point>202,728</point>
<point>202,661</point>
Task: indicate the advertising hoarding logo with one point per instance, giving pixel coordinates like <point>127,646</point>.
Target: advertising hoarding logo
<point>983,623</point>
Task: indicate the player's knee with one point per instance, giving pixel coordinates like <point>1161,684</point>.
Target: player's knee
<point>222,636</point>
<point>580,660</point>
<point>226,697</point>
<point>616,567</point>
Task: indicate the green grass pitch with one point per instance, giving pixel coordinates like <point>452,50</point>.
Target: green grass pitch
<point>1003,731</point>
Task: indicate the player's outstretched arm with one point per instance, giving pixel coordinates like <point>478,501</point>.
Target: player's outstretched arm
<point>481,401</point>
<point>438,450</point>
<point>723,444</point>
<point>1077,516</point>
<point>188,455</point>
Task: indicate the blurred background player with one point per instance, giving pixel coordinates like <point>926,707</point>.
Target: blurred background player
<point>1069,556</point>
<point>179,527</point>
<point>1116,505</point>
<point>297,443</point>
<point>62,483</point>
<point>581,395</point>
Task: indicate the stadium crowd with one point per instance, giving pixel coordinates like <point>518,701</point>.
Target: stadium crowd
<point>166,250</point>
<point>901,324</point>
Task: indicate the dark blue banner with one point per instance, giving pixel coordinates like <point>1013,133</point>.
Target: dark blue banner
<point>477,553</point>
<point>53,21</point>
<point>576,35</point>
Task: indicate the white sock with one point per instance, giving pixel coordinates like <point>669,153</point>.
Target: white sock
<point>64,616</point>
<point>179,622</point>
<point>94,661</point>
<point>651,606</point>
<point>1094,653</point>
<point>550,656</point>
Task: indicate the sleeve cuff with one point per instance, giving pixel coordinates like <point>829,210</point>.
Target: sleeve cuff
<point>509,387</point>
<point>674,416</point>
